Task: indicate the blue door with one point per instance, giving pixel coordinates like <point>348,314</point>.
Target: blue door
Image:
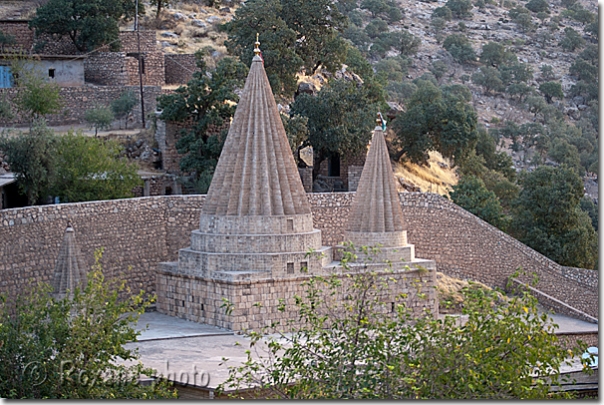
<point>6,77</point>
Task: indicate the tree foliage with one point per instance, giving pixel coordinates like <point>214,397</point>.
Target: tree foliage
<point>72,347</point>
<point>88,23</point>
<point>551,90</point>
<point>31,156</point>
<point>206,100</point>
<point>460,8</point>
<point>360,347</point>
<point>471,194</point>
<point>35,97</point>
<point>100,117</point>
<point>435,119</point>
<point>460,48</point>
<point>91,169</point>
<point>548,217</point>
<point>123,105</point>
<point>572,40</point>
<point>340,119</point>
<point>295,34</point>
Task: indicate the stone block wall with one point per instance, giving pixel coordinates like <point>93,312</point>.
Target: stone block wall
<point>153,69</point>
<point>255,304</point>
<point>76,100</point>
<point>47,45</point>
<point>24,37</point>
<point>179,68</point>
<point>128,40</point>
<point>142,232</point>
<point>106,69</point>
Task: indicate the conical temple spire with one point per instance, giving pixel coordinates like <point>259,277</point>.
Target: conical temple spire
<point>70,269</point>
<point>376,206</point>
<point>256,174</point>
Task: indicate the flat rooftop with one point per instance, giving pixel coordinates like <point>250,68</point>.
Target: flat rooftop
<point>192,353</point>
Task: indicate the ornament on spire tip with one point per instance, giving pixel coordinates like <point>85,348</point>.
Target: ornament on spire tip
<point>380,121</point>
<point>257,45</point>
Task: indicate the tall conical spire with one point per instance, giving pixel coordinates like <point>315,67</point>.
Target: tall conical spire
<point>256,174</point>
<point>70,269</point>
<point>376,207</point>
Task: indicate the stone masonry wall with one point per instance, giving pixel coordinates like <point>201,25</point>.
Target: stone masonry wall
<point>24,37</point>
<point>142,232</point>
<point>154,72</point>
<point>46,45</point>
<point>106,69</point>
<point>179,68</point>
<point>76,100</point>
<point>201,300</point>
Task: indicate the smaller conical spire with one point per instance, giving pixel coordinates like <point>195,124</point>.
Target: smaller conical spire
<point>70,270</point>
<point>376,206</point>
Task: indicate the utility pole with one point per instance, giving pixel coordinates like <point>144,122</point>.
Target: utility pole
<point>140,68</point>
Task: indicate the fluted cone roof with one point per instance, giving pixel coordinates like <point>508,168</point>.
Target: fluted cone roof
<point>256,173</point>
<point>376,206</point>
<point>70,269</point>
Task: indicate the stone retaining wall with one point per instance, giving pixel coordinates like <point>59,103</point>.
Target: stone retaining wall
<point>76,100</point>
<point>141,232</point>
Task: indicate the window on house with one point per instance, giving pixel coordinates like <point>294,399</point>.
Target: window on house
<point>290,268</point>
<point>51,73</point>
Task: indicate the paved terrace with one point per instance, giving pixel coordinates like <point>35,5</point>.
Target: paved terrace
<point>183,350</point>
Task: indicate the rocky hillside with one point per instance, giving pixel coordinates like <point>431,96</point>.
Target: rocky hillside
<point>187,26</point>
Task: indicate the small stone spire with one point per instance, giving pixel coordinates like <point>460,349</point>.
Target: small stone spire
<point>70,269</point>
<point>376,206</point>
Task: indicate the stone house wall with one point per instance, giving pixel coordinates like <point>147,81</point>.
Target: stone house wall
<point>24,37</point>
<point>141,232</point>
<point>179,68</point>
<point>153,74</point>
<point>47,45</point>
<point>106,69</point>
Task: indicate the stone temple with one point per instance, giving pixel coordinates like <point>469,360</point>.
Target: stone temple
<point>256,226</point>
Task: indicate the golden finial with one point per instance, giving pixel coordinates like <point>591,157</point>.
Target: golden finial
<point>380,121</point>
<point>257,48</point>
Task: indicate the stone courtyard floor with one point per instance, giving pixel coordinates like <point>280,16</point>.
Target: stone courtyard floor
<point>193,353</point>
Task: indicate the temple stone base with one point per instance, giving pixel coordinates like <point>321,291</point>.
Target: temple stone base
<point>256,300</point>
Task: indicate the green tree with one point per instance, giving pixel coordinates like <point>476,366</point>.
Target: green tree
<point>90,169</point>
<point>584,71</point>
<point>551,90</point>
<point>591,209</point>
<point>340,119</point>
<point>71,347</point>
<point>376,27</point>
<point>537,6</point>
<point>489,78</point>
<point>88,23</point>
<point>281,61</point>
<point>494,54</point>
<point>442,12</point>
<point>547,72</point>
<point>548,217</point>
<point>100,117</point>
<point>391,69</point>
<point>435,119</point>
<point>207,99</point>
<point>460,48</point>
<point>32,157</point>
<point>363,348</point>
<point>297,34</point>
<point>561,151</point>
<point>460,8</point>
<point>35,97</point>
<point>572,40</point>
<point>471,194</point>
<point>123,105</point>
